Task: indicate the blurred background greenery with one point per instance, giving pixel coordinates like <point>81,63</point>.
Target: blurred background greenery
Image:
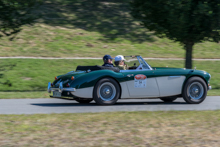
<point>85,28</point>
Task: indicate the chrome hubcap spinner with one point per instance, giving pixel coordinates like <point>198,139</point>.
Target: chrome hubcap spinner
<point>107,91</point>
<point>195,91</point>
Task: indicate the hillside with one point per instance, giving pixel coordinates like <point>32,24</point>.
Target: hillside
<point>85,28</point>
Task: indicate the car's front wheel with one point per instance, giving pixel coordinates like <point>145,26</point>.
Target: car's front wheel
<point>195,90</point>
<point>106,92</point>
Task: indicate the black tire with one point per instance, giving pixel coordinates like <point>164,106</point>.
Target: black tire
<point>83,100</point>
<point>106,92</point>
<point>194,90</point>
<point>169,99</point>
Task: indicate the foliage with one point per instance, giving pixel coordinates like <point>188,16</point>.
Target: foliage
<point>185,21</point>
<point>76,28</point>
<point>16,13</point>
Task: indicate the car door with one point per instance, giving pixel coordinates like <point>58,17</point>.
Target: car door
<point>142,83</point>
<point>169,81</point>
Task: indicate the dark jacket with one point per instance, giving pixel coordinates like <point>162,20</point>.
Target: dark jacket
<point>108,65</point>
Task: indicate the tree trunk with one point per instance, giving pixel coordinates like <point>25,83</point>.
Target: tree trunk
<point>188,58</point>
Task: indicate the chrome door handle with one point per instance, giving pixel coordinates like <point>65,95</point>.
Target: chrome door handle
<point>130,75</point>
<point>174,76</point>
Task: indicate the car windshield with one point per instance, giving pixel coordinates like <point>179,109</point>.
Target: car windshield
<point>136,61</point>
<point>131,61</point>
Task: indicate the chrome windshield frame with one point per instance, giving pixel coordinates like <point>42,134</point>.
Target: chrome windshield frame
<point>141,61</point>
<point>146,64</point>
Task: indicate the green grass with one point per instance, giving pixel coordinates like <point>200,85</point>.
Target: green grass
<point>29,77</point>
<point>182,128</point>
<point>34,74</point>
<point>24,95</point>
<point>76,28</point>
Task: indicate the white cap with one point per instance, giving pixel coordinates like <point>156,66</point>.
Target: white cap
<point>119,58</point>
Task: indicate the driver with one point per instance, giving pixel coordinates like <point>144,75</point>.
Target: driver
<point>120,62</point>
<point>107,59</point>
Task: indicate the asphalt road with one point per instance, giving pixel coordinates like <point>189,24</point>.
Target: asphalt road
<point>47,106</point>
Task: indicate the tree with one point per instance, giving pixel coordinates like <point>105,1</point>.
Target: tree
<point>15,14</point>
<point>3,76</point>
<point>184,21</point>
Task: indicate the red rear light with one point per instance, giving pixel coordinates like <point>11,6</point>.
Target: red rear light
<point>67,85</point>
<point>56,78</point>
<point>72,78</point>
<point>51,84</point>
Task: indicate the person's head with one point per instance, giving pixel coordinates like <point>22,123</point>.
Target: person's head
<point>119,60</point>
<point>107,59</point>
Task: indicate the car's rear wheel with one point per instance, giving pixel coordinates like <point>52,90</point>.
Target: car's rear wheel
<point>106,92</point>
<point>84,101</point>
<point>169,99</point>
<point>195,90</point>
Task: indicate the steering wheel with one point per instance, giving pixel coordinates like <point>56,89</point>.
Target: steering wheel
<point>139,67</point>
<point>133,67</point>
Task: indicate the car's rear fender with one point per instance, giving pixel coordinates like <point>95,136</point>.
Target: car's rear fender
<point>114,79</point>
<point>90,79</point>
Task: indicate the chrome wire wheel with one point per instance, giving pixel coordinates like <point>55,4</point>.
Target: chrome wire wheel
<point>107,91</point>
<point>195,91</point>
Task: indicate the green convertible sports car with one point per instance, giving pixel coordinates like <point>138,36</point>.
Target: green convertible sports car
<point>105,85</point>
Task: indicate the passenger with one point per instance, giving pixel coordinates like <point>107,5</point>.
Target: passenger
<point>107,59</point>
<point>120,62</point>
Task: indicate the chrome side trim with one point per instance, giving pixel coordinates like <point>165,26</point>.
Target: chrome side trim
<point>174,76</point>
<point>130,75</point>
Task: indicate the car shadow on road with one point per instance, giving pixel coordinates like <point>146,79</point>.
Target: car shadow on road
<point>149,103</point>
<point>117,104</point>
<point>62,104</point>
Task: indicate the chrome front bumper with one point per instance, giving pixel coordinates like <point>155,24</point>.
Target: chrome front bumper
<point>60,89</point>
<point>210,87</point>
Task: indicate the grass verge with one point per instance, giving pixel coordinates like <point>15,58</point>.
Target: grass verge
<point>24,95</point>
<point>29,77</point>
<point>182,128</point>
